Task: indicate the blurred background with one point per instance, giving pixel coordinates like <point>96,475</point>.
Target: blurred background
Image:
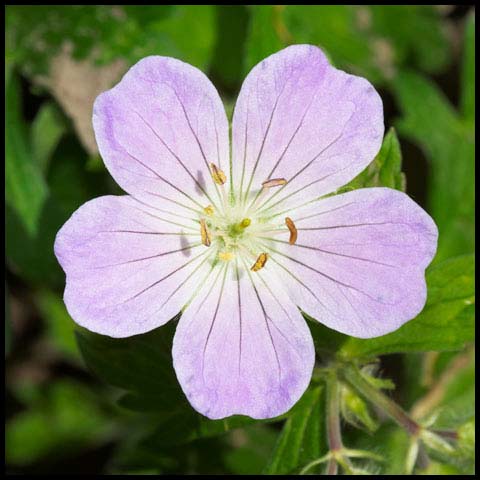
<point>60,418</point>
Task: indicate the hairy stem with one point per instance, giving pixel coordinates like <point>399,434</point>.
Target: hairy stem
<point>353,376</point>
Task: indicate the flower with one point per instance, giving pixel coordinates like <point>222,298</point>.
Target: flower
<point>239,243</point>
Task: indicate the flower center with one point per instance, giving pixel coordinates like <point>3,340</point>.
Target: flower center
<point>231,234</point>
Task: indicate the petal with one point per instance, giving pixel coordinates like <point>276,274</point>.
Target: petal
<point>159,129</point>
<point>242,347</point>
<point>359,260</point>
<point>301,119</point>
<point>129,268</point>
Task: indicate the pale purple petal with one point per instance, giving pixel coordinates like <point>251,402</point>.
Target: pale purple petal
<point>159,129</point>
<point>299,118</point>
<point>129,268</point>
<point>242,347</point>
<point>359,260</point>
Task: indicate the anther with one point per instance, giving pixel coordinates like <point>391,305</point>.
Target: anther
<point>206,240</point>
<point>260,262</point>
<point>274,182</point>
<point>293,230</point>
<point>218,176</point>
<point>209,210</point>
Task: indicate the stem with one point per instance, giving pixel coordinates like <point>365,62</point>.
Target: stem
<point>369,392</point>
<point>334,434</point>
<point>307,467</point>
<point>332,467</point>
<point>333,414</point>
<point>447,434</point>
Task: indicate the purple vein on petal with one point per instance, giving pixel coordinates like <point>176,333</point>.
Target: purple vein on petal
<point>178,160</point>
<point>284,311</point>
<point>297,245</point>
<point>214,317</point>
<point>277,163</point>
<point>301,189</point>
<point>198,143</point>
<point>239,317</point>
<point>166,211</point>
<point>182,284</point>
<point>162,178</point>
<point>165,220</point>
<point>328,276</point>
<point>266,318</point>
<point>165,277</point>
<point>308,164</point>
<point>158,255</point>
<point>264,140</point>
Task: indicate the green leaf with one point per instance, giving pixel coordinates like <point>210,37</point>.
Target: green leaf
<point>457,404</point>
<point>371,41</point>
<point>446,322</point>
<point>105,33</point>
<point>25,187</point>
<point>448,142</point>
<point>468,73</point>
<point>142,365</point>
<point>61,419</point>
<point>139,364</point>
<point>262,38</point>
<point>8,322</point>
<point>46,131</point>
<point>334,29</point>
<point>60,326</point>
<point>416,34</point>
<point>303,436</point>
<point>251,448</point>
<point>327,341</point>
<point>190,33</point>
<point>232,22</point>
<point>391,443</point>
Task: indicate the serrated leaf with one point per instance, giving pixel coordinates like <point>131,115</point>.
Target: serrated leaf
<point>446,322</point>
<point>303,436</point>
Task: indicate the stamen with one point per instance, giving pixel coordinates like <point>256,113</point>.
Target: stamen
<point>274,182</point>
<point>245,223</point>
<point>206,240</point>
<point>226,256</point>
<point>260,262</point>
<point>293,230</point>
<point>209,210</point>
<point>218,175</point>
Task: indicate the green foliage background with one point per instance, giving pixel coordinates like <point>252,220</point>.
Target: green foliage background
<point>79,402</point>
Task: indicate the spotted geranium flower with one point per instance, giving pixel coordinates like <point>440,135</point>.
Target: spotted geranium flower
<point>240,242</point>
